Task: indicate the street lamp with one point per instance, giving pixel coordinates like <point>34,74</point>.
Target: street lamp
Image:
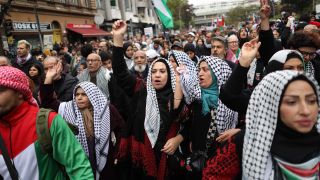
<point>38,24</point>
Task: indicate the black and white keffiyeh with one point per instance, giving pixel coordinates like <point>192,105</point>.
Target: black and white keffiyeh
<point>225,118</point>
<point>152,119</point>
<point>189,80</point>
<point>309,68</point>
<point>261,122</point>
<point>101,117</point>
<point>102,76</point>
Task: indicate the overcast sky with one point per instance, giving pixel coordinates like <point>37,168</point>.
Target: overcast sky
<point>197,2</point>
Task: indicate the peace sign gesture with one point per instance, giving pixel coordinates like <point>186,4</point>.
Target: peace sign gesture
<point>265,10</point>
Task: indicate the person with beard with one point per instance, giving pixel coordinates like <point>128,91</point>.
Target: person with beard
<point>219,50</point>
<point>128,47</point>
<point>282,135</point>
<point>140,67</point>
<point>152,134</point>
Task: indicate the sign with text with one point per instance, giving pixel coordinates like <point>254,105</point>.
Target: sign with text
<point>82,26</point>
<point>30,26</point>
<point>148,31</point>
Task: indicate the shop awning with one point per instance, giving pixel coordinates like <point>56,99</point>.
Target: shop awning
<point>92,32</point>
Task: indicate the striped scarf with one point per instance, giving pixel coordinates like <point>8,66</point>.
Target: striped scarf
<point>103,78</point>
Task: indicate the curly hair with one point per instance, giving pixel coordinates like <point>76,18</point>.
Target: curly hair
<point>301,39</point>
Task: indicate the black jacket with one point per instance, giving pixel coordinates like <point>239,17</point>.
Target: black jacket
<point>26,66</point>
<point>64,87</point>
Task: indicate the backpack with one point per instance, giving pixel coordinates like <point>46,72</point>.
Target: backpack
<point>43,131</point>
<point>44,136</point>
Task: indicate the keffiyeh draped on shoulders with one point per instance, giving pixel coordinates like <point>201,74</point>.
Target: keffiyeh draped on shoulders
<point>152,118</point>
<point>261,123</point>
<point>101,118</point>
<point>226,118</point>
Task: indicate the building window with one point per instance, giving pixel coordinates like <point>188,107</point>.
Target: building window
<point>98,2</point>
<point>84,3</point>
<point>141,11</point>
<point>113,3</point>
<point>128,5</point>
<point>74,2</point>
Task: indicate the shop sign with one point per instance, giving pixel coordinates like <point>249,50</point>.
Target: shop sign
<point>31,26</point>
<point>82,26</point>
<point>148,31</point>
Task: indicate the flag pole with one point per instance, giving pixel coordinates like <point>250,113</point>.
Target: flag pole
<point>159,18</point>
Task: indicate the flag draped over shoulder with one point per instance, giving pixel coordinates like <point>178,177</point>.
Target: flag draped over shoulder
<point>163,13</point>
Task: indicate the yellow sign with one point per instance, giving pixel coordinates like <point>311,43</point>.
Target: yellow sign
<point>10,40</point>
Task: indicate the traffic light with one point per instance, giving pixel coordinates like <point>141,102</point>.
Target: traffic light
<point>8,27</point>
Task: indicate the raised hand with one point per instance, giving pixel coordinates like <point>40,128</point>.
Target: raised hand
<point>119,27</point>
<point>53,73</point>
<point>248,52</point>
<point>265,10</point>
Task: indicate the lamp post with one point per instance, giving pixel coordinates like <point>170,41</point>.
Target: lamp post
<point>38,24</point>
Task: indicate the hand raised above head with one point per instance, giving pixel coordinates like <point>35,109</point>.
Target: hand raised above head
<point>265,10</point>
<point>248,52</point>
<point>119,27</point>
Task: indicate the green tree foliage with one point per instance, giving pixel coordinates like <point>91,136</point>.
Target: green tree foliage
<point>182,13</point>
<point>299,6</point>
<point>240,14</point>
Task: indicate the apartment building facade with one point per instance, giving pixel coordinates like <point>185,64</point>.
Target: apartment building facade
<point>206,13</point>
<point>139,14</point>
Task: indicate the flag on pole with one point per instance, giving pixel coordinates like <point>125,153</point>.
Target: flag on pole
<point>163,13</point>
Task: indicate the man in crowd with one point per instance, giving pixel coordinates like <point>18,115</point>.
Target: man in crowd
<point>140,67</point>
<point>18,114</point>
<point>63,83</point>
<point>219,49</point>
<point>190,38</point>
<point>207,44</point>
<point>4,61</point>
<point>24,59</point>
<point>95,73</point>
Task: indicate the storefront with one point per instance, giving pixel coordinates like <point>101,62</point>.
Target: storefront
<point>29,31</point>
<point>85,32</point>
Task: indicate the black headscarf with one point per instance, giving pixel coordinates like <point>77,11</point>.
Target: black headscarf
<point>293,146</point>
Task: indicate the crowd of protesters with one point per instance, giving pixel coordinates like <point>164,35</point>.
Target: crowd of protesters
<point>221,104</point>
